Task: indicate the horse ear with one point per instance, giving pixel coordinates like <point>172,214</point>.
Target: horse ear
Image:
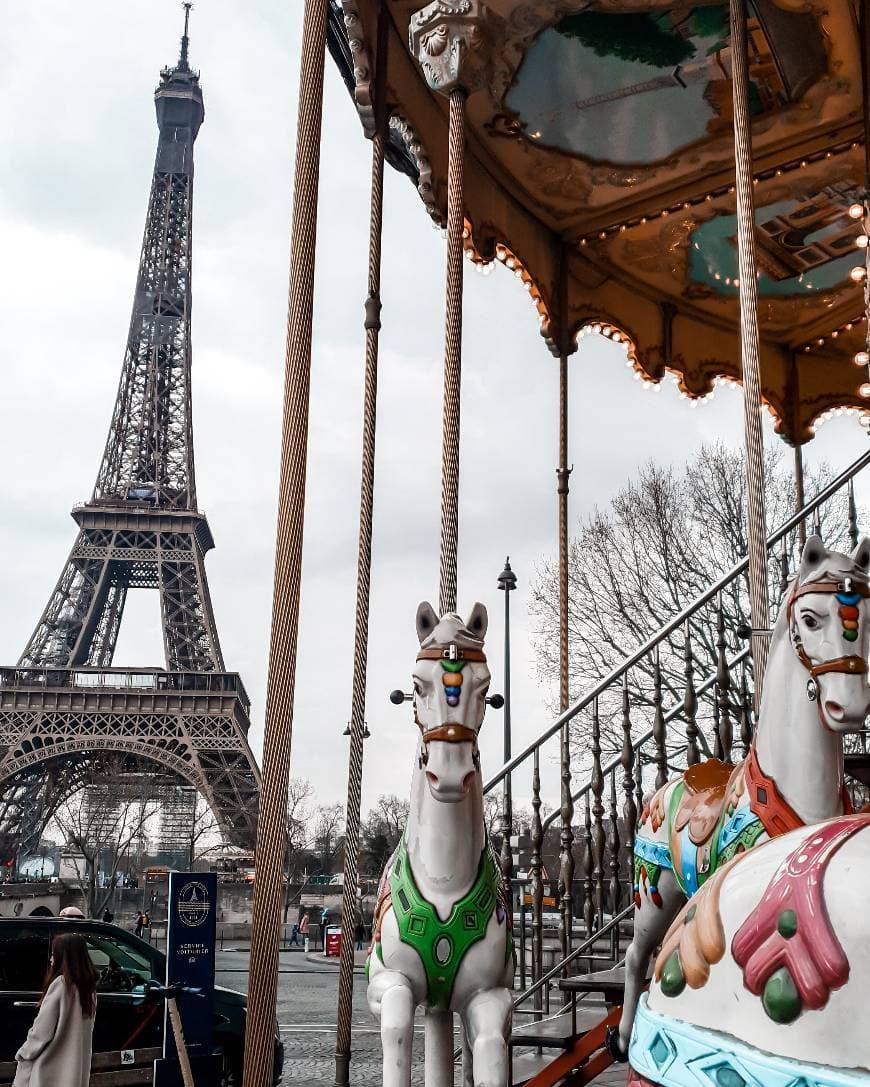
<point>427,620</point>
<point>478,621</point>
<point>814,554</point>
<point>861,555</point>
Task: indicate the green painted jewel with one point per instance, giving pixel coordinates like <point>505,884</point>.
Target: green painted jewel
<point>786,924</point>
<point>452,666</point>
<point>780,998</point>
<point>673,979</point>
<point>690,915</point>
<point>850,635</point>
<point>442,945</point>
<point>728,1077</point>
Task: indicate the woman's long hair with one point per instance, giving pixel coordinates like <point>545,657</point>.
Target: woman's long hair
<point>70,960</point>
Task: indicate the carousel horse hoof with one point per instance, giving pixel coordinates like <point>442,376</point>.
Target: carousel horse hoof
<point>614,1047</point>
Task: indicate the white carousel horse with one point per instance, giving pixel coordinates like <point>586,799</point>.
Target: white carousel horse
<point>762,980</point>
<point>815,690</point>
<point>442,924</point>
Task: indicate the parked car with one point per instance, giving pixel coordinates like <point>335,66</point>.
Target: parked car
<point>125,1018</point>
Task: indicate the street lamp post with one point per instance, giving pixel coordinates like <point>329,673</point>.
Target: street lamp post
<point>507,582</point>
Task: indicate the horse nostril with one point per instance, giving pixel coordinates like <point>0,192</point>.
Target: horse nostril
<point>468,780</point>
<point>835,711</point>
<point>432,778</point>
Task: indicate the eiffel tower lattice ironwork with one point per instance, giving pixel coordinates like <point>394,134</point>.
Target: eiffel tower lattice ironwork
<point>63,708</point>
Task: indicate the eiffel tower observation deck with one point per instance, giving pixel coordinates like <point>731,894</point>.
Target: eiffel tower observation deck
<point>64,710</point>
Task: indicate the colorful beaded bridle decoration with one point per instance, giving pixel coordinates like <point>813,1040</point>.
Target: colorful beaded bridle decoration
<point>453,659</point>
<point>849,595</point>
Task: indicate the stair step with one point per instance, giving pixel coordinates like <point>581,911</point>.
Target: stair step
<point>610,983</point>
<point>558,1032</point>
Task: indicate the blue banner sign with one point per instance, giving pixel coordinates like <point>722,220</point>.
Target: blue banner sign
<point>190,945</point>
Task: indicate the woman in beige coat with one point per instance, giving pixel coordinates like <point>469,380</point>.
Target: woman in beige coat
<point>57,1049</point>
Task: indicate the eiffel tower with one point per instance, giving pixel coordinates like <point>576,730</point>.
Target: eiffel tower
<point>64,710</point>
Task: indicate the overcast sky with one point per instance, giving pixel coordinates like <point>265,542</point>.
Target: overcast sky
<point>77,123</point>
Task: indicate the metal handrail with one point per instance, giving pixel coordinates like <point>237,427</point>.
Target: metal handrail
<point>616,761</point>
<point>619,670</point>
<point>578,951</point>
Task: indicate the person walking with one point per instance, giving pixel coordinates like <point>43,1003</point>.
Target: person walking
<point>140,924</point>
<point>359,934</point>
<point>108,916</point>
<point>57,1049</point>
<point>294,936</point>
<point>303,930</point>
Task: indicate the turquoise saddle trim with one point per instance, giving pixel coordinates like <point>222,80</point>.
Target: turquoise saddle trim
<point>653,852</point>
<point>673,1053</point>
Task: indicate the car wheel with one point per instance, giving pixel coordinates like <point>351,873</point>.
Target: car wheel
<point>231,1069</point>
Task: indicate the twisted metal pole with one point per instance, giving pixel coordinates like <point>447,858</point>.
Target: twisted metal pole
<point>280,690</point>
<point>349,903</point>
<point>452,359</point>
<point>753,435</point>
<point>566,834</point>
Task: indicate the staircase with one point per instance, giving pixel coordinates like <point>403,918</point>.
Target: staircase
<point>661,720</point>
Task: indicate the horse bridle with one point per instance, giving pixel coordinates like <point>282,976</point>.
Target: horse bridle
<point>851,664</point>
<point>451,732</point>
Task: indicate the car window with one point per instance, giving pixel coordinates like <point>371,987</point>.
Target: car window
<point>23,958</point>
<point>122,968</point>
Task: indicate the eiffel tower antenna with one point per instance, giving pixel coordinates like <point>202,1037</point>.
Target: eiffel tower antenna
<point>185,40</point>
<point>64,708</point>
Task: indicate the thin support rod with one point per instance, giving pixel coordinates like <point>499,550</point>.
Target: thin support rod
<point>753,435</point>
<point>281,683</point>
<point>452,359</point>
<point>566,835</point>
<point>349,903</point>
<point>799,494</point>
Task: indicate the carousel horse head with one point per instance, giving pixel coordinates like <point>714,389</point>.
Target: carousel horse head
<point>761,976</point>
<point>827,616</point>
<point>450,684</point>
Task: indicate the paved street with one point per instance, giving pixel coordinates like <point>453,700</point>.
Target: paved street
<point>306,1019</point>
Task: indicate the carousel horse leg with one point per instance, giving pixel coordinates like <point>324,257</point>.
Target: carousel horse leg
<point>651,922</point>
<point>487,1019</point>
<point>397,1029</point>
<point>438,1070</point>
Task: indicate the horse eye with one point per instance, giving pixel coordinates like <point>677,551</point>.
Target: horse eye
<point>811,622</point>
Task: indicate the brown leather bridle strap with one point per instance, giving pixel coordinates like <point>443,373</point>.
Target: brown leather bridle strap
<point>451,734</point>
<point>858,588</point>
<point>452,653</point>
<point>853,666</point>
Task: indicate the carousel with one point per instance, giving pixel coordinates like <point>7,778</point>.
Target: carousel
<point>690,181</point>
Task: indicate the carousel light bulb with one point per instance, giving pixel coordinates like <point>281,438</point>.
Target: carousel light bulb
<point>857,273</point>
<point>856,211</point>
<point>865,390</point>
<point>861,241</point>
<point>862,358</point>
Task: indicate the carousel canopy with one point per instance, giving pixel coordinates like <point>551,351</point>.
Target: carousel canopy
<point>600,168</point>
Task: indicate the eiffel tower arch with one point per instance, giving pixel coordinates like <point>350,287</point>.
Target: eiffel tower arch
<point>63,708</point>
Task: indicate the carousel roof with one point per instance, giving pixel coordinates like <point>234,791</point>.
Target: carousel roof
<point>600,167</point>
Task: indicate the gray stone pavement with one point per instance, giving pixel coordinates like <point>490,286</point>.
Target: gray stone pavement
<point>307,993</point>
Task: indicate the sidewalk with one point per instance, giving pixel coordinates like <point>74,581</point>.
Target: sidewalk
<point>317,957</point>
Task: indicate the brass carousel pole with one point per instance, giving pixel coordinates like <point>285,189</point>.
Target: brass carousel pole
<point>456,68</point>
<point>753,435</point>
<point>566,833</point>
<point>272,820</point>
<point>349,903</point>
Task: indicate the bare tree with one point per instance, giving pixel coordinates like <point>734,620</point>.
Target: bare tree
<point>328,829</point>
<point>664,539</point>
<point>381,830</point>
<point>204,834</point>
<point>298,817</point>
<point>99,824</point>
